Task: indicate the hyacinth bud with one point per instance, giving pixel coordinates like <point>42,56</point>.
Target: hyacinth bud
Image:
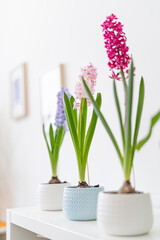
<point>60,119</point>
<point>89,74</point>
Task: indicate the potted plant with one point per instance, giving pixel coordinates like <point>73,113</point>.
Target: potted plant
<point>80,202</point>
<point>51,194</point>
<point>126,212</point>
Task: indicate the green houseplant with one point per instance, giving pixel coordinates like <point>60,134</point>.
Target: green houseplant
<point>81,138</point>
<point>119,60</point>
<point>56,140</point>
<point>51,194</point>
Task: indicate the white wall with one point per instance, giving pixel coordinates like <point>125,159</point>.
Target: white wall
<point>43,33</point>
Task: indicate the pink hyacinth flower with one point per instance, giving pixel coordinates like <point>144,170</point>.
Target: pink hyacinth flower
<point>115,44</point>
<point>89,73</point>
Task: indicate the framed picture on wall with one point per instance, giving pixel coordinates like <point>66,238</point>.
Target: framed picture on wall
<point>19,108</point>
<point>51,83</point>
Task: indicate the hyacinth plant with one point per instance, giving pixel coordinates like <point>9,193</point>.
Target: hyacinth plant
<point>119,61</point>
<point>81,137</point>
<point>56,137</point>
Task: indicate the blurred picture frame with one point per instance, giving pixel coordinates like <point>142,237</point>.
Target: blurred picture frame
<point>18,78</point>
<point>50,84</point>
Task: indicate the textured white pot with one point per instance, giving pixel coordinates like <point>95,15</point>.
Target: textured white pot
<point>124,214</point>
<point>50,196</point>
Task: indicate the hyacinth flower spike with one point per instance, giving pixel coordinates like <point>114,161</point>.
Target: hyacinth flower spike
<point>56,137</point>
<point>119,60</point>
<point>81,136</point>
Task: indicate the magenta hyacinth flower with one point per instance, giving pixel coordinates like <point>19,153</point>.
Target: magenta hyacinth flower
<point>89,73</point>
<point>115,44</point>
<point>60,119</point>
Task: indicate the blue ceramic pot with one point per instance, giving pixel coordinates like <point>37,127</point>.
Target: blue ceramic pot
<point>81,203</point>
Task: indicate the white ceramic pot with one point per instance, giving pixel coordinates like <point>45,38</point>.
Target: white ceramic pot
<point>50,196</point>
<point>124,214</point>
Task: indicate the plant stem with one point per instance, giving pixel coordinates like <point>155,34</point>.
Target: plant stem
<point>119,113</point>
<point>125,96</point>
<point>54,170</point>
<point>128,133</point>
<point>81,175</point>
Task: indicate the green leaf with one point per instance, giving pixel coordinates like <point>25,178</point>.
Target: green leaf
<point>138,118</point>
<point>49,151</point>
<point>79,119</point>
<point>128,132</point>
<point>51,136</point>
<point>154,120</point>
<point>105,124</point>
<point>72,101</point>
<point>56,132</point>
<point>58,143</point>
<point>74,110</point>
<point>45,137</point>
<point>60,136</point>
<point>82,123</point>
<point>119,112</point>
<point>72,128</point>
<point>90,133</point>
<point>124,81</point>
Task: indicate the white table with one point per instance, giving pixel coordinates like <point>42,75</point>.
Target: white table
<point>26,223</point>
